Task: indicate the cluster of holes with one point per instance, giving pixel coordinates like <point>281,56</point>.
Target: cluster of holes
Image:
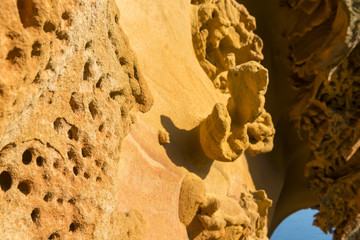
<point>73,134</point>
<point>28,156</point>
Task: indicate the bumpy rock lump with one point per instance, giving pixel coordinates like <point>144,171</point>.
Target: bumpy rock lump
<point>229,52</point>
<point>223,37</point>
<point>212,216</point>
<point>244,124</point>
<point>72,84</point>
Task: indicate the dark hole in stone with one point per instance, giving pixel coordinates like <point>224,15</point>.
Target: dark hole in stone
<point>98,179</point>
<point>49,27</point>
<point>54,236</point>
<point>136,74</point>
<point>24,187</point>
<point>76,171</point>
<point>48,197</point>
<point>27,157</point>
<point>73,133</point>
<point>5,181</point>
<point>87,72</point>
<point>56,163</point>
<point>14,54</point>
<point>86,175</point>
<point>35,215</point>
<point>113,94</point>
<point>65,15</point>
<point>36,49</point>
<point>93,109</point>
<point>76,102</point>
<point>27,12</point>
<point>123,61</point>
<point>72,201</point>
<point>62,35</point>
<point>252,139</point>
<point>88,44</point>
<point>74,226</point>
<point>72,154</point>
<point>98,163</point>
<point>98,84</point>
<point>40,161</point>
<point>60,200</point>
<point>101,127</point>
<point>103,167</point>
<point>86,151</point>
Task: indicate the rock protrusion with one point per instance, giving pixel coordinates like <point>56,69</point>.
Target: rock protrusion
<point>214,216</point>
<point>244,124</point>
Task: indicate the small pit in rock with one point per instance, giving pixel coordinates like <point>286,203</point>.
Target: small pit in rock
<point>35,215</point>
<point>27,157</point>
<point>74,226</point>
<point>40,161</point>
<point>5,181</point>
<point>24,187</point>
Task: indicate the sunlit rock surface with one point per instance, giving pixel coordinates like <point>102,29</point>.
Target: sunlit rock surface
<point>145,119</point>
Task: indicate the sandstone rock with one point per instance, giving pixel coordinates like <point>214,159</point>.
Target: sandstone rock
<point>70,89</point>
<point>78,160</point>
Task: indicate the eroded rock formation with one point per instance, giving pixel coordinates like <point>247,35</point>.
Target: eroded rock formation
<point>79,161</point>
<point>213,216</point>
<point>243,124</point>
<point>223,37</point>
<point>70,89</point>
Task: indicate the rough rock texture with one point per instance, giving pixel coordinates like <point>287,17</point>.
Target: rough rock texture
<point>77,160</point>
<point>327,115</point>
<point>227,50</point>
<point>213,216</point>
<point>223,37</point>
<point>70,89</point>
<point>316,47</point>
<point>244,124</point>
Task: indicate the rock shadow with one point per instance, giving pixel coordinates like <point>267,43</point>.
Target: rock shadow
<point>185,149</point>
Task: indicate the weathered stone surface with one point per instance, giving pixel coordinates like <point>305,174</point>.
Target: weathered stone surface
<point>213,216</point>
<point>77,160</point>
<point>70,89</point>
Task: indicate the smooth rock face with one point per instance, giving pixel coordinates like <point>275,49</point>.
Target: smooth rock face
<point>78,160</point>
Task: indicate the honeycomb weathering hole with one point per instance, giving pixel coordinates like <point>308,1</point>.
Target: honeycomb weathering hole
<point>74,226</point>
<point>27,157</point>
<point>54,236</point>
<point>40,161</point>
<point>5,181</point>
<point>27,12</point>
<point>48,197</point>
<point>24,187</point>
<point>35,215</point>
